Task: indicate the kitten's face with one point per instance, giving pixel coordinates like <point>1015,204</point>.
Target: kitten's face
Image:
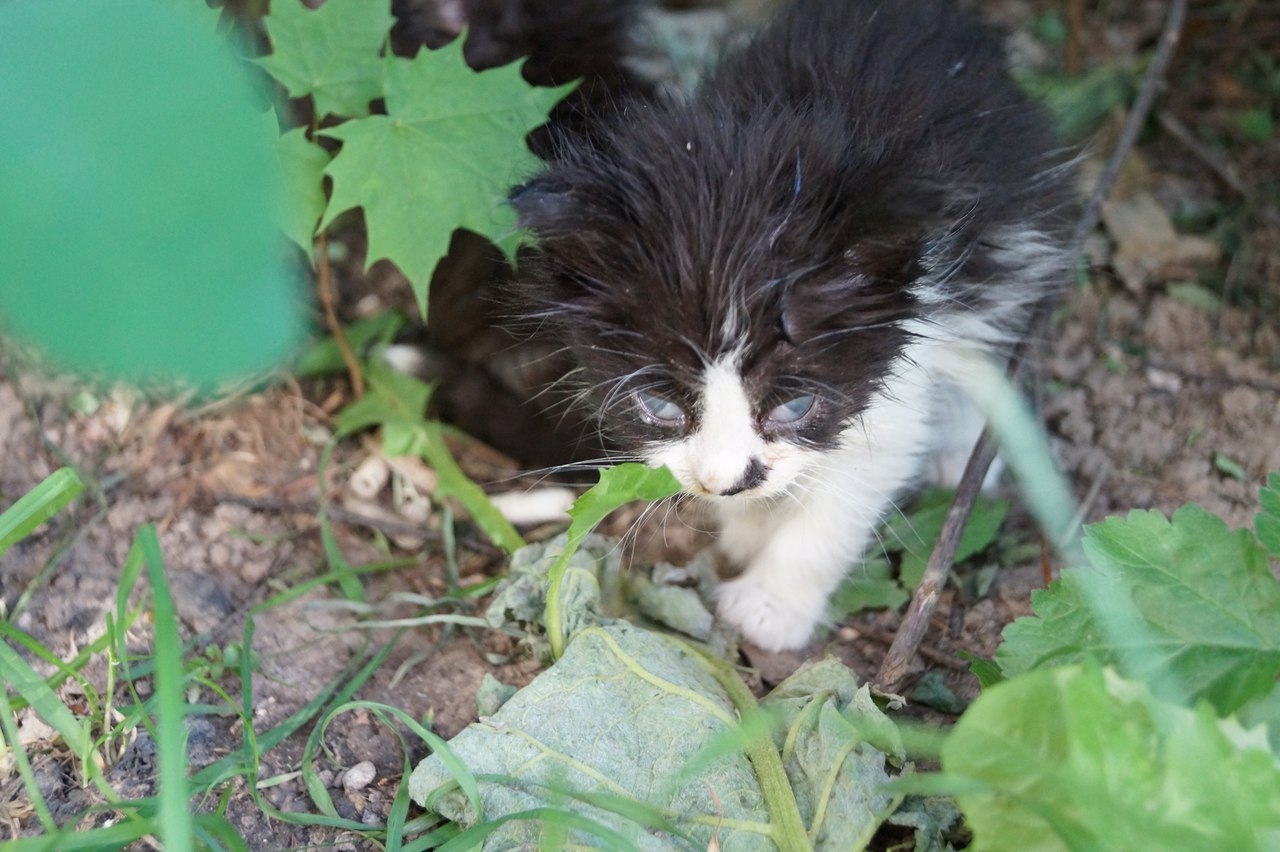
<point>729,439</point>
<point>729,319</point>
<point>738,389</point>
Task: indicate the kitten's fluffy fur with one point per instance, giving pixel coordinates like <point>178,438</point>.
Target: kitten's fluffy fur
<point>774,287</point>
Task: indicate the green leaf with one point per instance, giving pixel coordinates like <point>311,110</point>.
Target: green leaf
<point>1256,125</point>
<point>1206,604</point>
<point>332,53</point>
<point>38,505</point>
<point>986,671</point>
<point>1076,758</point>
<point>302,164</point>
<point>616,732</point>
<point>443,157</point>
<point>148,195</point>
<point>917,533</point>
<point>1079,102</point>
<point>869,586</point>
<point>1267,522</point>
<point>392,399</point>
<point>617,486</point>
<point>1228,466</point>
<point>325,356</point>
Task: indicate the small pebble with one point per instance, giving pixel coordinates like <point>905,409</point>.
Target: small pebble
<point>359,776</point>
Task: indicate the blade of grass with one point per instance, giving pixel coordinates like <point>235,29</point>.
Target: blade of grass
<point>24,766</point>
<point>466,781</point>
<point>38,505</point>
<point>349,582</point>
<point>44,701</point>
<point>171,735</point>
<point>65,670</point>
<point>117,836</point>
<point>434,839</point>
<point>212,828</point>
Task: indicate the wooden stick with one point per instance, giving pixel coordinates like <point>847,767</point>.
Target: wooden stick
<point>925,600</point>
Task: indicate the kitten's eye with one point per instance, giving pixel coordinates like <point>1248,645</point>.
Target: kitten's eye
<point>661,411</point>
<point>792,411</point>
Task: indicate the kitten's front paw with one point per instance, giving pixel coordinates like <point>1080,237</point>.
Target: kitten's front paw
<point>768,618</point>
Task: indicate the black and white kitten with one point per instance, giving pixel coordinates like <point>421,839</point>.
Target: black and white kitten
<point>774,286</point>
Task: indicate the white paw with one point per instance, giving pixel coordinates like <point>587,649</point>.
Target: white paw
<point>767,618</point>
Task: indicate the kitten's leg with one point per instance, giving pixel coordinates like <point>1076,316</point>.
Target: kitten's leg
<point>799,560</point>
<point>797,549</point>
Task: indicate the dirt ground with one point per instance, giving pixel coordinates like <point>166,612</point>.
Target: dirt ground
<point>1159,383</point>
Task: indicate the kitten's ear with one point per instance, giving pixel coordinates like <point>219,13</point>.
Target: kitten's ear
<point>543,205</point>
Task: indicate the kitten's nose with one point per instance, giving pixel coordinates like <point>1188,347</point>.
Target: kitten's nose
<point>753,476</point>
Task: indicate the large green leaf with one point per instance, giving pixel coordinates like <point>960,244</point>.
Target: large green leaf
<point>443,157</point>
<point>1187,604</point>
<point>1076,758</point>
<point>331,53</point>
<point>141,200</point>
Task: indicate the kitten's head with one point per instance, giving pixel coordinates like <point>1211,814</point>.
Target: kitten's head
<point>730,314</point>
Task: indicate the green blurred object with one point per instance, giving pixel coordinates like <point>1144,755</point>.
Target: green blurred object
<point>139,228</point>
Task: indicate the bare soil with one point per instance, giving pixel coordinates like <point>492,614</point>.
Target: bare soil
<point>1159,383</point>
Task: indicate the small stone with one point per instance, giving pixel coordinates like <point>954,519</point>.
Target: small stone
<point>359,776</point>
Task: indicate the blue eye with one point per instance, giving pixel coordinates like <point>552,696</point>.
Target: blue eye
<point>792,411</point>
<point>659,410</point>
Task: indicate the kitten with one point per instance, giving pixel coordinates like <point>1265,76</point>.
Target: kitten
<point>774,286</point>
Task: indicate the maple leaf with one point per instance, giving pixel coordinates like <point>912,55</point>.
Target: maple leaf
<point>301,163</point>
<point>444,156</point>
<point>332,53</point>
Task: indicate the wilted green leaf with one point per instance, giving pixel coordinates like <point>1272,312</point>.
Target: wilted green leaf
<point>1267,522</point>
<point>140,190</point>
<point>1076,758</point>
<point>331,53</point>
<point>1208,605</point>
<point>443,157</point>
<point>302,165</point>
<point>621,716</point>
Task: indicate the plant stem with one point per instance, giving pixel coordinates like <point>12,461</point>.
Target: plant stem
<point>324,280</point>
<point>788,831</point>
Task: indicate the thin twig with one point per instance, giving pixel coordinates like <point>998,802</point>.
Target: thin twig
<point>324,280</point>
<point>1216,163</point>
<point>914,624</point>
<point>388,526</point>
